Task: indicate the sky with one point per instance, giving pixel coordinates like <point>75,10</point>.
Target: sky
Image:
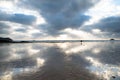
<point>60,19</point>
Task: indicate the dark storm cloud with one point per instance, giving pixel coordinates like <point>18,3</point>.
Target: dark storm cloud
<point>56,6</point>
<point>110,27</point>
<point>21,30</point>
<point>61,14</point>
<point>23,19</point>
<point>110,24</point>
<point>4,28</point>
<point>17,18</point>
<point>59,22</point>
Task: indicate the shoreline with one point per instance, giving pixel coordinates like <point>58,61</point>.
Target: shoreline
<point>60,41</point>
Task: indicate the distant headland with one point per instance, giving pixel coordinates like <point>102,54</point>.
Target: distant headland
<point>5,40</point>
<point>9,40</point>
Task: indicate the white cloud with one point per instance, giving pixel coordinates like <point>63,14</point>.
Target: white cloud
<point>4,4</point>
<point>96,31</point>
<point>104,8</point>
<point>11,7</point>
<point>79,34</point>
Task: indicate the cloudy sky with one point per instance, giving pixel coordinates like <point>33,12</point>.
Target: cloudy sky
<point>60,19</point>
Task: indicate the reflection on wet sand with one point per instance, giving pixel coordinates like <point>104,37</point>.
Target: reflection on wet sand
<point>59,66</point>
<point>60,61</point>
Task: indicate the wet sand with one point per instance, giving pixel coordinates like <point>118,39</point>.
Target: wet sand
<point>60,61</point>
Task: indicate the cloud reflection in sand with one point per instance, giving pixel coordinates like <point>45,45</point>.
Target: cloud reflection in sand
<point>61,61</point>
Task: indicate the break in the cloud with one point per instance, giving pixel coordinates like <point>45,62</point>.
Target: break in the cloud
<point>56,19</point>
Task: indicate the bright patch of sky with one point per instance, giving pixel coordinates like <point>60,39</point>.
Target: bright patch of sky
<point>105,8</point>
<point>116,2</point>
